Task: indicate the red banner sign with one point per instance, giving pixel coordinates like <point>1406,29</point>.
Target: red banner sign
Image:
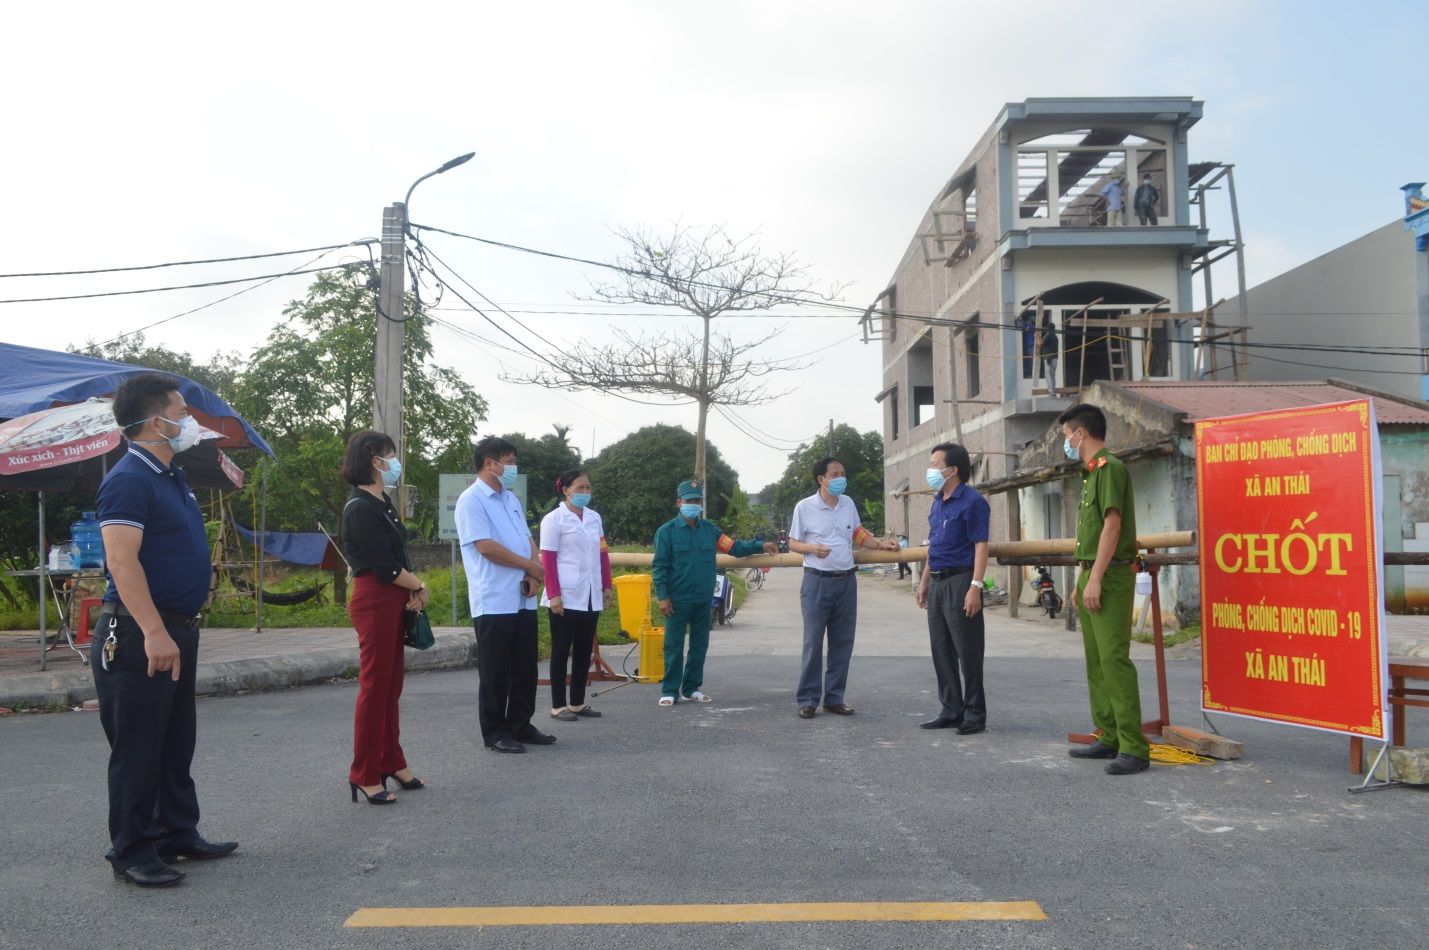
<point>1292,591</point>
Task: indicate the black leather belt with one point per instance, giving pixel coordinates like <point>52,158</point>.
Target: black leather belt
<point>818,573</point>
<point>1087,565</point>
<point>168,616</point>
<point>950,572</point>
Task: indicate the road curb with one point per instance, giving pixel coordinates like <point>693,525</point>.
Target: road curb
<point>455,648</point>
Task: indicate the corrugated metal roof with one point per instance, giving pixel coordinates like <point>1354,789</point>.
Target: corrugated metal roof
<point>1209,400</point>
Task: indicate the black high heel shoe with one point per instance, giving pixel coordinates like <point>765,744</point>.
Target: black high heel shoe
<point>383,797</point>
<point>416,783</point>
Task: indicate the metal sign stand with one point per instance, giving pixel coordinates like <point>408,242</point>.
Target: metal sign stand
<point>1370,784</point>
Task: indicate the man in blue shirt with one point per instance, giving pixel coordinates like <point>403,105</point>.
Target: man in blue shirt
<point>951,589</point>
<point>146,639</point>
<point>503,574</point>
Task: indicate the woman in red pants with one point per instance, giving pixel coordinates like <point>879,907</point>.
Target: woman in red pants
<point>383,586</point>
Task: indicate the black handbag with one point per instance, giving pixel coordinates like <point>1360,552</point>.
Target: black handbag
<point>419,630</point>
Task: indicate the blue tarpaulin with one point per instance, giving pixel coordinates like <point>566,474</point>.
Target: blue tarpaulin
<point>33,379</point>
<point>311,549</point>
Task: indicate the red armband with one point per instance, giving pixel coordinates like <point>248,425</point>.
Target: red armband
<point>860,535</point>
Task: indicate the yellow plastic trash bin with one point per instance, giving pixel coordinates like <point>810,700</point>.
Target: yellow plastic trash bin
<point>652,655</point>
<point>632,593</point>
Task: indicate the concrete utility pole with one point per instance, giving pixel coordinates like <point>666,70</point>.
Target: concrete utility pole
<point>831,437</point>
<point>391,330</point>
<point>391,318</point>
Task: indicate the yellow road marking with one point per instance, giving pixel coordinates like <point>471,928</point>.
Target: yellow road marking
<point>629,914</point>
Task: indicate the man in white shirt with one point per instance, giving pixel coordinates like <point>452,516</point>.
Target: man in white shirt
<point>503,574</point>
<point>825,529</point>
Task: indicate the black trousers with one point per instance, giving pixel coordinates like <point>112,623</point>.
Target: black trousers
<point>151,726</point>
<point>573,638</point>
<point>957,645</point>
<point>506,661</point>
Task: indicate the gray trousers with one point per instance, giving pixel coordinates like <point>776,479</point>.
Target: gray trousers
<point>957,644</point>
<point>830,607</point>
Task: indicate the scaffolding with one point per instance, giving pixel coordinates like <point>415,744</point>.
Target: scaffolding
<point>1219,343</point>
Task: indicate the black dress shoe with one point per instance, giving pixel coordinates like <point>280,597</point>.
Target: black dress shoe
<point>942,722</point>
<point>152,873</point>
<point>533,736</point>
<point>839,709</point>
<point>806,712</point>
<point>972,728</point>
<point>1127,765</point>
<point>1097,750</point>
<point>506,745</point>
<point>198,850</point>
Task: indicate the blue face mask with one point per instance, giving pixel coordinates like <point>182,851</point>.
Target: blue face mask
<point>393,475</point>
<point>508,476</point>
<point>580,499</point>
<point>1071,453</point>
<point>837,486</point>
<point>935,479</point>
<point>691,511</point>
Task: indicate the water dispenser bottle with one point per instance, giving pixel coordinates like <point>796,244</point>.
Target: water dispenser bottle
<point>89,541</point>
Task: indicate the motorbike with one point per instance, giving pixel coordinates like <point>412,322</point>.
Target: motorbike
<point>722,603</point>
<point>1047,597</point>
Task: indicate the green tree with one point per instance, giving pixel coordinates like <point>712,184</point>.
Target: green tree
<point>543,459</point>
<point>862,456</point>
<point>308,389</point>
<point>634,481</point>
<point>220,373</point>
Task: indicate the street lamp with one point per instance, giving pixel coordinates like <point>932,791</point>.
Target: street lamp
<point>391,321</point>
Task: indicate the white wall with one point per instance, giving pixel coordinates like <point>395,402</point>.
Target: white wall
<point>1364,294</point>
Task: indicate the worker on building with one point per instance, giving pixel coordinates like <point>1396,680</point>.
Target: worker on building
<point>951,590</point>
<point>1047,352</point>
<point>684,575</point>
<point>826,530</point>
<point>1114,192</point>
<point>1106,586</point>
<point>1146,200</point>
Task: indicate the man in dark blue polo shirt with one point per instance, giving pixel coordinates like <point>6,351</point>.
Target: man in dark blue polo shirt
<point>951,589</point>
<point>146,639</point>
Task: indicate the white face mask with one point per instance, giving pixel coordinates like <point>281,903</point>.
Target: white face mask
<point>189,434</point>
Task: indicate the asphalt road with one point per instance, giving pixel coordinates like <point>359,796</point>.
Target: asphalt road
<point>734,802</point>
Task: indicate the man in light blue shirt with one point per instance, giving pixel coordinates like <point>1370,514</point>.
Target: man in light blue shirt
<point>826,530</point>
<point>503,575</point>
<point>1115,194</point>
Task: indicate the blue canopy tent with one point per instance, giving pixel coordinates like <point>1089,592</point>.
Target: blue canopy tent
<point>34,379</point>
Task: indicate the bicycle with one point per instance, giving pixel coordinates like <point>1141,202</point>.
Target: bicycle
<point>754,579</point>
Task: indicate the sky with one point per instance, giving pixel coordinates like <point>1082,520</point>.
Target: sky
<point>149,132</point>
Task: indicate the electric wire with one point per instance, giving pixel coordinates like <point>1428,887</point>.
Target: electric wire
<point>214,303</point>
<point>211,260</point>
<point>539,356</point>
<point>914,317</point>
<point>155,290</point>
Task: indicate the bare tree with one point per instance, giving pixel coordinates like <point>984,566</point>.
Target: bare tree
<point>706,274</point>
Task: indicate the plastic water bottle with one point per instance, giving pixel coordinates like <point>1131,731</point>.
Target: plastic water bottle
<point>89,541</point>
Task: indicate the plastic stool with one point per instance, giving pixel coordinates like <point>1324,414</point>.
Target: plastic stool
<point>81,633</point>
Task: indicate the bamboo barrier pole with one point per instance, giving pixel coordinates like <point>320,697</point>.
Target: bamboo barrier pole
<point>996,549</point>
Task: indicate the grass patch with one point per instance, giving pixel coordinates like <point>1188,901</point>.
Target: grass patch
<point>1184,634</point>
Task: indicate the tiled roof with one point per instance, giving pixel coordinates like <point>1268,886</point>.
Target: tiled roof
<point>1209,400</point>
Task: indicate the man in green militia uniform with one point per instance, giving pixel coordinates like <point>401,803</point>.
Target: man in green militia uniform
<point>684,570</point>
<point>1106,550</point>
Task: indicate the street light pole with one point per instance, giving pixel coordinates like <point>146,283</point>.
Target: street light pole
<point>391,315</point>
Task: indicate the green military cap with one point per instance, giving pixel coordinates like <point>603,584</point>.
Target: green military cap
<point>689,489</point>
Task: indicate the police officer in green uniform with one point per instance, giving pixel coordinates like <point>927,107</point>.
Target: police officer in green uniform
<point>1106,550</point>
<point>684,569</point>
